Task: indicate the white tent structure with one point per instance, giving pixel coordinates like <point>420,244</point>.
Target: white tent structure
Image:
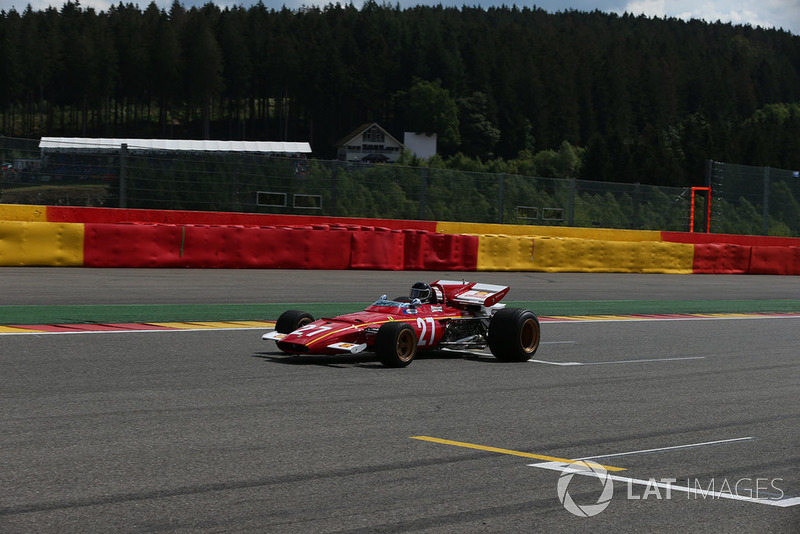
<point>88,144</point>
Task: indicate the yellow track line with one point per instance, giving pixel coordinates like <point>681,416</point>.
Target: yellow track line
<point>508,451</point>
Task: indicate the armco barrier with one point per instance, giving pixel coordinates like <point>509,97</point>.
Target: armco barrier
<point>41,243</point>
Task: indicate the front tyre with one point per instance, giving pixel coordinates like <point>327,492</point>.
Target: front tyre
<point>514,335</point>
<point>291,320</point>
<point>395,344</point>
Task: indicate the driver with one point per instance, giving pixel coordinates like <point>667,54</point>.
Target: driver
<point>424,292</point>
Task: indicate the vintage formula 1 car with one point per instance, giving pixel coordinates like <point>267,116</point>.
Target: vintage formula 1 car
<point>442,315</point>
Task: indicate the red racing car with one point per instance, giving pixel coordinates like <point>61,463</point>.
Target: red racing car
<point>442,315</point>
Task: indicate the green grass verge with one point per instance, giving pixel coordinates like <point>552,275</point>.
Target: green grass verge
<point>24,315</point>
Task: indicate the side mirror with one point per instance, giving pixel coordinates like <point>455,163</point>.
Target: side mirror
<point>416,302</point>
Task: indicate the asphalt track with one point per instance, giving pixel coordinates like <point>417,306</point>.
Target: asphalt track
<point>215,431</point>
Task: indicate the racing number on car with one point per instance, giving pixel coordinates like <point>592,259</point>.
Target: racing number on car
<point>423,324</point>
<point>311,330</point>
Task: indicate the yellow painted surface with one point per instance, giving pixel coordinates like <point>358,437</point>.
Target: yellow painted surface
<point>21,212</point>
<point>247,324</point>
<point>504,253</point>
<point>550,254</point>
<point>41,243</point>
<point>511,452</point>
<point>605,234</point>
<point>186,326</point>
<point>15,330</point>
<point>587,255</point>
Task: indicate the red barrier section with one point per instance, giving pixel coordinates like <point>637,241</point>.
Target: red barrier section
<point>721,258</point>
<point>775,260</point>
<point>424,251</point>
<point>300,248</point>
<point>132,245</point>
<point>118,215</point>
<point>380,250</point>
<point>149,245</point>
<point>743,240</point>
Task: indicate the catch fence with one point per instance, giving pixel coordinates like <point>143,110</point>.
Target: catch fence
<point>254,183</point>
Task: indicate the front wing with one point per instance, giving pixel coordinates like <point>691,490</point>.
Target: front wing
<point>352,348</point>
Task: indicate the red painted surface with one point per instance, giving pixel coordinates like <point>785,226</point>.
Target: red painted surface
<point>380,250</point>
<point>775,260</point>
<point>744,240</point>
<point>721,258</point>
<point>119,215</point>
<point>163,238</point>
<point>425,251</point>
<point>131,245</point>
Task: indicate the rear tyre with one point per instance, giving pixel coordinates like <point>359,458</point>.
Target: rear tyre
<point>395,344</point>
<point>291,320</point>
<point>514,335</point>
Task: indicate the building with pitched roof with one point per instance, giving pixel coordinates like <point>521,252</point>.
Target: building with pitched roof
<point>369,143</point>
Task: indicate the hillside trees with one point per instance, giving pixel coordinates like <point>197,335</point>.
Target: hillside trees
<point>649,99</point>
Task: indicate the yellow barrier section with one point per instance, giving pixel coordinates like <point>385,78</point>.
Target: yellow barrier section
<point>505,253</point>
<point>602,234</point>
<point>549,254</point>
<point>20,212</point>
<point>41,243</point>
<point>586,255</point>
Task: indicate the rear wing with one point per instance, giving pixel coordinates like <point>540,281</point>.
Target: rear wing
<point>473,293</point>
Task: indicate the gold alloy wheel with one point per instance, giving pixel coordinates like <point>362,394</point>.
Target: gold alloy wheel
<point>529,335</point>
<point>405,345</point>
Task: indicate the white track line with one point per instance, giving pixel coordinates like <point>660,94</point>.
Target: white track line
<point>623,319</point>
<point>649,360</point>
<point>674,447</point>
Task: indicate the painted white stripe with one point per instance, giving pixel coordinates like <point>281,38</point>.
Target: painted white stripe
<point>647,360</point>
<point>674,447</point>
<point>556,363</point>
<point>783,502</point>
<point>650,319</point>
<point>650,360</point>
<point>171,330</point>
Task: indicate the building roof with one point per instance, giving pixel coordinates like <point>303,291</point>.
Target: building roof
<point>186,145</point>
<point>360,130</point>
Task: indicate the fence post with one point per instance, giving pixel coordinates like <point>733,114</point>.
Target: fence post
<point>123,175</point>
<point>334,199</point>
<point>500,198</point>
<point>571,207</point>
<point>765,226</point>
<point>423,187</point>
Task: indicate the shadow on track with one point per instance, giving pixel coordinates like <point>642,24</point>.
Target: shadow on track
<point>367,359</point>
